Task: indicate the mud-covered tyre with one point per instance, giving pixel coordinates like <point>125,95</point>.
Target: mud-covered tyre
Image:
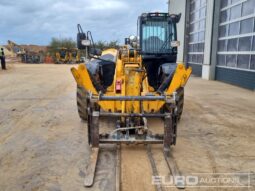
<point>82,103</point>
<point>180,102</point>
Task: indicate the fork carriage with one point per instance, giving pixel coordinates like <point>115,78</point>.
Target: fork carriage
<point>133,129</point>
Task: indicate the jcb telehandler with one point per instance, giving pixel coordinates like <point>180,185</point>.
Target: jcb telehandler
<point>62,56</point>
<point>74,56</point>
<point>136,82</point>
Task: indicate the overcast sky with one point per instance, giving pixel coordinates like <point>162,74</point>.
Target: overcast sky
<point>37,21</point>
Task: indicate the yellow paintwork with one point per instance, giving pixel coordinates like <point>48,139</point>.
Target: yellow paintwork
<point>75,59</point>
<point>130,71</point>
<point>68,56</point>
<point>58,56</point>
<point>180,78</point>
<point>82,78</point>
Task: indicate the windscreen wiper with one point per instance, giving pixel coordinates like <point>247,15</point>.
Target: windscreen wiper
<point>167,41</point>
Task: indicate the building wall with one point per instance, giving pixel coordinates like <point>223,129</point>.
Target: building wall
<point>197,11</point>
<point>236,43</point>
<point>176,7</point>
<point>219,39</point>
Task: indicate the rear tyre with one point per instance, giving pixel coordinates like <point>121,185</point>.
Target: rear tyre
<point>82,103</point>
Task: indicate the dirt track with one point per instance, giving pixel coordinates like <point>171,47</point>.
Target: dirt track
<point>43,142</point>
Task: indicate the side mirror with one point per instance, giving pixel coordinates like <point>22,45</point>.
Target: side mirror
<point>175,43</point>
<point>176,18</point>
<point>127,41</point>
<point>80,38</point>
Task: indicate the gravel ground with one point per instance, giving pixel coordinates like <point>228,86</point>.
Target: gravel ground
<point>43,143</point>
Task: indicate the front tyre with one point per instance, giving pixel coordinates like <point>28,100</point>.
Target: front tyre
<point>82,103</point>
<point>180,102</point>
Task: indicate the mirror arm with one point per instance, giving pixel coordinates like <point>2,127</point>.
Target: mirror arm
<point>91,37</point>
<point>79,28</point>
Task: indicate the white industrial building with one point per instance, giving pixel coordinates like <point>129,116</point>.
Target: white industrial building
<point>218,39</point>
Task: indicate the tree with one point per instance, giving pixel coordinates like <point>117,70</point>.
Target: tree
<point>57,43</point>
<point>105,45</point>
<point>113,44</point>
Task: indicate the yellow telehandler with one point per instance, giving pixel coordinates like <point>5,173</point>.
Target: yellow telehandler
<point>62,56</point>
<point>138,81</point>
<point>74,55</point>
